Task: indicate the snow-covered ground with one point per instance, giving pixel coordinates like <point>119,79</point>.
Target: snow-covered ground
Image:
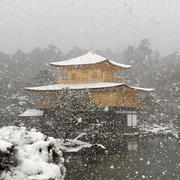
<point>37,155</point>
<point>158,129</point>
<point>74,145</point>
<point>40,158</point>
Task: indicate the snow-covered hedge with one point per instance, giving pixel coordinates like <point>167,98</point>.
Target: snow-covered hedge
<point>29,155</point>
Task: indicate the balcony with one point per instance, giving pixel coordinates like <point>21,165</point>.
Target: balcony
<point>118,79</point>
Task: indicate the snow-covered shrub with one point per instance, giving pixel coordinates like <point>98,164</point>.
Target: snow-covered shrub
<point>37,157</point>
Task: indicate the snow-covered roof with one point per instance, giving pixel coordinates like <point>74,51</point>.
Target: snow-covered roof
<point>140,88</point>
<point>32,112</point>
<point>87,59</point>
<point>119,64</point>
<point>57,87</point>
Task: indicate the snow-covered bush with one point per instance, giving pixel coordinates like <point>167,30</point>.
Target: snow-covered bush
<point>35,156</point>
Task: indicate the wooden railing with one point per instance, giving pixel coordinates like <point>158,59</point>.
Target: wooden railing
<point>118,79</point>
<point>53,105</point>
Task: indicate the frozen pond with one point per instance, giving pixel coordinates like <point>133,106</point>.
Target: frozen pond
<point>155,158</point>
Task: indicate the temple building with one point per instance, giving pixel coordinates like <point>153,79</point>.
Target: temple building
<point>101,77</point>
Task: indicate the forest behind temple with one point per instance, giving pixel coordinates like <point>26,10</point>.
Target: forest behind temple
<point>149,69</point>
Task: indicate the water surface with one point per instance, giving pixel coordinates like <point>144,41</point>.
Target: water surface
<point>155,158</point>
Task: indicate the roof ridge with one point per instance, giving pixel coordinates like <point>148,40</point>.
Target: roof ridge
<point>87,59</point>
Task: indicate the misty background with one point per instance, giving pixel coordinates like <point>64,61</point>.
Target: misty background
<point>114,24</point>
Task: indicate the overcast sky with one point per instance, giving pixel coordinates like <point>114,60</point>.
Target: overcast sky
<point>112,24</point>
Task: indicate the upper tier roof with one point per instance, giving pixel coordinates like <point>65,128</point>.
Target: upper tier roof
<point>87,59</point>
<point>58,87</point>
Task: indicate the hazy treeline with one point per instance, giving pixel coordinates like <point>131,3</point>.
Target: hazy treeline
<point>150,69</point>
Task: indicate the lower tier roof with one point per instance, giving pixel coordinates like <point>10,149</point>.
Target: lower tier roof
<point>58,87</point>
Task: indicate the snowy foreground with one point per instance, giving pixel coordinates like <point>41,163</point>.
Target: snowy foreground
<point>29,155</point>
